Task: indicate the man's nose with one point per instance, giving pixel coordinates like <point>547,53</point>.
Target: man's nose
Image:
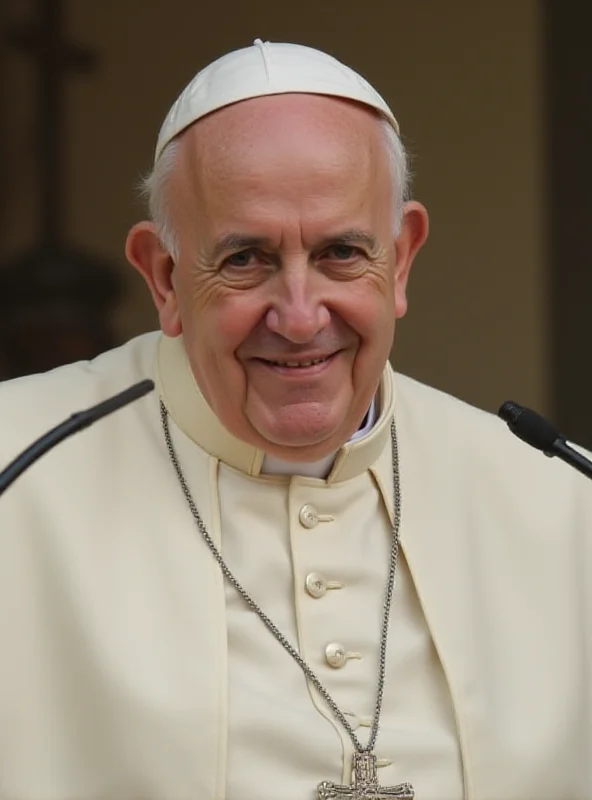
<point>297,312</point>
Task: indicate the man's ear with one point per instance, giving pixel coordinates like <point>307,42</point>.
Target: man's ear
<point>144,250</point>
<point>414,232</point>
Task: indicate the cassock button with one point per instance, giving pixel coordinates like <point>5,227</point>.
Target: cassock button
<point>316,585</point>
<point>335,655</point>
<point>308,516</point>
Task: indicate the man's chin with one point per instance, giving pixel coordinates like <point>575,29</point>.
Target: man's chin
<point>300,443</point>
<point>300,431</point>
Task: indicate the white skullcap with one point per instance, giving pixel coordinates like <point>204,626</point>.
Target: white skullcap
<point>266,68</point>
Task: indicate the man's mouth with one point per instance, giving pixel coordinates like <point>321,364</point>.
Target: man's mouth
<point>296,363</point>
<point>299,364</point>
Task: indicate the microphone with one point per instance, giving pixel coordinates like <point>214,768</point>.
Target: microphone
<point>76,422</point>
<point>543,435</point>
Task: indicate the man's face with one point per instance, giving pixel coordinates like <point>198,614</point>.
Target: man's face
<point>285,288</point>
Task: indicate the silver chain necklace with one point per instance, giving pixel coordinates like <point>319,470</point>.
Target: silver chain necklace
<point>365,781</point>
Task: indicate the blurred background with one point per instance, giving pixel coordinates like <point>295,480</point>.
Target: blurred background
<point>493,98</point>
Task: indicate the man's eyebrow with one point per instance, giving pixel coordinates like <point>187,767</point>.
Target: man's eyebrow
<point>353,236</point>
<point>238,241</point>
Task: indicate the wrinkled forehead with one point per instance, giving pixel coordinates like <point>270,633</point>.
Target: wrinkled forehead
<point>296,160</point>
<point>287,129</point>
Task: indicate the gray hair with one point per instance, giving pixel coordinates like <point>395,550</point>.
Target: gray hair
<point>153,187</point>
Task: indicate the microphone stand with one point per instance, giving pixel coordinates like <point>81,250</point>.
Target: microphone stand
<point>75,423</point>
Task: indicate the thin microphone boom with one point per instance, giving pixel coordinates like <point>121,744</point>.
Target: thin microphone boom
<point>541,434</point>
<point>76,422</point>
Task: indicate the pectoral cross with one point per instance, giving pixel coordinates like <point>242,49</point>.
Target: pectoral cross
<point>365,784</point>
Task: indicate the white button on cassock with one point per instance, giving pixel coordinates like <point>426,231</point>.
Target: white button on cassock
<point>308,516</point>
<point>316,585</point>
<point>335,655</point>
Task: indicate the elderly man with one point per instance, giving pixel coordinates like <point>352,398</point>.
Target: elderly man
<point>289,573</point>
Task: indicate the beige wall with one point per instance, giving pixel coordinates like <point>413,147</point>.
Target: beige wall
<point>463,78</point>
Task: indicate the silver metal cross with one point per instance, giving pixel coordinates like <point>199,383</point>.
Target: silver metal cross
<point>365,784</point>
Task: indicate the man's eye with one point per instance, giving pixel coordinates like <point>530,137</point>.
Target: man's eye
<point>342,252</point>
<point>240,259</point>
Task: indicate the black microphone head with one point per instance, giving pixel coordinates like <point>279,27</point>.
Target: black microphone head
<point>529,426</point>
<point>510,412</point>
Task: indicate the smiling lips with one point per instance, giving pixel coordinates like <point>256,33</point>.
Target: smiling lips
<point>294,364</point>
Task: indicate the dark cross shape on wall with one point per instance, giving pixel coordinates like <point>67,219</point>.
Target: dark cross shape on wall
<point>54,298</point>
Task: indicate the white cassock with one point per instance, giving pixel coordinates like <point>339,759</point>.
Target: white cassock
<point>130,670</point>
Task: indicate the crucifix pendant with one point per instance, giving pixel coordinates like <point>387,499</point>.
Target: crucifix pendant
<point>365,784</point>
